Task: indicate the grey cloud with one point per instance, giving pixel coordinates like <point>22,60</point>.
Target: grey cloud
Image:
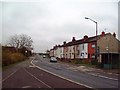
<point>52,22</point>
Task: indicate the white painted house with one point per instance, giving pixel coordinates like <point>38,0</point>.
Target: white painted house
<point>61,52</point>
<point>83,50</point>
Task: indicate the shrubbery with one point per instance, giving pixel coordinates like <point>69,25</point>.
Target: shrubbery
<point>10,58</point>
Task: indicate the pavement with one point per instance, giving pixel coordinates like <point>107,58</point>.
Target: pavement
<point>38,72</point>
<point>90,69</point>
<point>36,78</point>
<point>26,75</point>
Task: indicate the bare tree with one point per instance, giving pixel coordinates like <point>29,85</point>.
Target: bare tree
<point>20,41</point>
<point>14,41</point>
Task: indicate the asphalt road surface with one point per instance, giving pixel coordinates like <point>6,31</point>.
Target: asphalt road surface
<point>27,75</point>
<point>89,79</point>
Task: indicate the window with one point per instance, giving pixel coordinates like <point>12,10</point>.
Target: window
<point>82,54</point>
<point>93,55</point>
<point>93,45</point>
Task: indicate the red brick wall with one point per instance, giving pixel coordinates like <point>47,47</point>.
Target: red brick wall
<point>91,50</point>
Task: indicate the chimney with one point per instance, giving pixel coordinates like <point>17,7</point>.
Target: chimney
<point>64,42</point>
<point>103,33</point>
<point>114,34</point>
<point>58,45</point>
<point>85,37</point>
<point>73,39</point>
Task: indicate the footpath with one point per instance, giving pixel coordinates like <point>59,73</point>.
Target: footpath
<point>104,73</point>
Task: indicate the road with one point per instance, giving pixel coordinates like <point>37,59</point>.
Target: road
<point>89,79</point>
<point>28,75</point>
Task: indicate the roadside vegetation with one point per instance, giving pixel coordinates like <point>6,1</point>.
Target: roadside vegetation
<point>10,57</point>
<point>83,63</point>
<point>18,48</point>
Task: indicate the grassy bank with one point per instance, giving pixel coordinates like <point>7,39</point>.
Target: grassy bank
<point>83,63</point>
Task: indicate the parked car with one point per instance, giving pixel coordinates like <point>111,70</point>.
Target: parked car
<point>44,56</point>
<point>53,59</point>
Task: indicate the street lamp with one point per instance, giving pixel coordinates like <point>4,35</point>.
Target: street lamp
<point>107,48</point>
<point>96,35</point>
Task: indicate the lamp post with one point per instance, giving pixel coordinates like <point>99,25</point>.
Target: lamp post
<point>96,36</point>
<point>107,48</point>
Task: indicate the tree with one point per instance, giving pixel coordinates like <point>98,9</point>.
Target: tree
<point>20,41</point>
<point>14,41</point>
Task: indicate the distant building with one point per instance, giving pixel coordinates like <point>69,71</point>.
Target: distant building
<point>51,53</point>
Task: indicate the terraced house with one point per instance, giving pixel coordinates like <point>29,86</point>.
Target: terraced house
<point>107,51</point>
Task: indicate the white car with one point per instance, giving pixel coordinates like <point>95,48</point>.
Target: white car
<point>53,59</point>
<point>44,56</point>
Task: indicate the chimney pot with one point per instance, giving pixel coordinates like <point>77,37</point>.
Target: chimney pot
<point>85,37</point>
<point>103,33</point>
<point>64,42</point>
<point>114,34</point>
<point>73,39</point>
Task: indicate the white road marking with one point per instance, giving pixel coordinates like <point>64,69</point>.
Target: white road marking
<point>102,76</point>
<point>60,76</point>
<point>37,79</point>
<point>9,76</point>
<point>31,66</point>
<point>26,86</point>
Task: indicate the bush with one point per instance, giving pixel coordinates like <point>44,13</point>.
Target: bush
<point>10,58</point>
<point>6,58</point>
<point>16,57</point>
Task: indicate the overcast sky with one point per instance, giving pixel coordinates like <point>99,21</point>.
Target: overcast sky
<point>50,22</point>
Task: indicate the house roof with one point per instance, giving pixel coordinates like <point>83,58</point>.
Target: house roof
<point>86,39</point>
<point>83,40</point>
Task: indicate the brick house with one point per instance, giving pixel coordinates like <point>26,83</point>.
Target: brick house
<point>109,50</point>
<point>85,49</point>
